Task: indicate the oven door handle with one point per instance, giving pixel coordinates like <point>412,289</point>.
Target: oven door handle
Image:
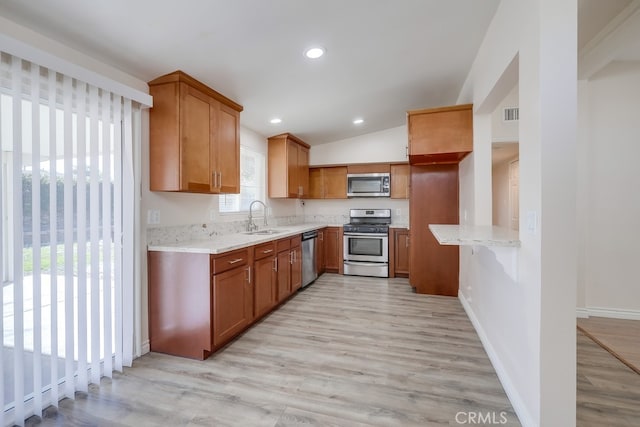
<point>369,263</point>
<point>372,235</point>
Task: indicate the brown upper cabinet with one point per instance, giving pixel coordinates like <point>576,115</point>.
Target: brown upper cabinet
<point>368,168</point>
<point>440,135</point>
<point>288,167</point>
<point>400,181</point>
<point>328,182</point>
<point>194,142</point>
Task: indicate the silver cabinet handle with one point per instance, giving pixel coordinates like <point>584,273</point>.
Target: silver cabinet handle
<point>268,251</point>
<point>407,242</point>
<point>248,274</point>
<point>213,178</point>
<point>235,261</point>
<point>275,264</point>
<point>219,179</point>
<point>291,257</point>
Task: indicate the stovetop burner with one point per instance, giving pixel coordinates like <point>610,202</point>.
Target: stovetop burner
<point>368,221</point>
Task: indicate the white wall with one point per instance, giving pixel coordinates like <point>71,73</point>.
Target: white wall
<point>613,200</point>
<point>502,131</point>
<point>384,146</point>
<point>500,194</point>
<point>527,321</point>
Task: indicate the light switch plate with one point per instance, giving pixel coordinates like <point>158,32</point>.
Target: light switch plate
<point>532,222</point>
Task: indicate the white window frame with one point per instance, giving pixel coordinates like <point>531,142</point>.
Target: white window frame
<point>259,179</point>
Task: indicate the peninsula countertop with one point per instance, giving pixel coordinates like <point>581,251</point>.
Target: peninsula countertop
<point>463,235</point>
<point>227,242</point>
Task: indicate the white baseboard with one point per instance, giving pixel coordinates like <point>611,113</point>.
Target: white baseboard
<point>145,348</point>
<point>508,386</point>
<point>582,313</point>
<point>613,313</point>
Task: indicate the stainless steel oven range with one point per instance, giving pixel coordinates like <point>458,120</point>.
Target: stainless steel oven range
<point>366,243</point>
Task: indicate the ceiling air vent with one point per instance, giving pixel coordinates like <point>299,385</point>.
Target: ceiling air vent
<point>511,114</point>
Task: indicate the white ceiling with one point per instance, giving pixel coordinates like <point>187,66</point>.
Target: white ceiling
<point>383,57</point>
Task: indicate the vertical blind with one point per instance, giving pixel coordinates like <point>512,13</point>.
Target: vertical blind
<point>67,203</point>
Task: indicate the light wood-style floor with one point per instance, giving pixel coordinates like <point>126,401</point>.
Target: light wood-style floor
<point>608,391</point>
<point>620,337</point>
<point>346,351</point>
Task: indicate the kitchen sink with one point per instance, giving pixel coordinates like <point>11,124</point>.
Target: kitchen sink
<point>266,232</point>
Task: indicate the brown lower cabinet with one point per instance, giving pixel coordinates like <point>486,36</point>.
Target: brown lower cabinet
<point>264,283</point>
<point>288,267</point>
<point>320,264</point>
<point>399,253</point>
<point>197,302</point>
<point>333,250</point>
<point>232,303</point>
<point>296,264</point>
<point>200,302</point>
<point>434,200</point>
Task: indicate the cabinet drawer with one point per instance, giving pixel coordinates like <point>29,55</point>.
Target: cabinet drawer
<point>263,250</point>
<point>224,262</point>
<point>283,245</point>
<point>295,241</point>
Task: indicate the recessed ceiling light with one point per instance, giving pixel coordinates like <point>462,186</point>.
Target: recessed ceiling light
<point>314,52</point>
<point>358,121</point>
<point>275,121</point>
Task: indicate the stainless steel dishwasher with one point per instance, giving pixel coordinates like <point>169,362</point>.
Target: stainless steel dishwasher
<point>309,270</point>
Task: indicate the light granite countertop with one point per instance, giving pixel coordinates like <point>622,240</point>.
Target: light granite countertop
<point>229,242</point>
<point>474,235</point>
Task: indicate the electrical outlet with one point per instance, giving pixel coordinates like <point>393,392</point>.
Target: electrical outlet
<point>398,211</point>
<point>153,217</point>
<point>212,214</point>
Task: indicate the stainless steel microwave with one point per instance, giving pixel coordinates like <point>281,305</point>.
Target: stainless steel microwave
<point>368,185</point>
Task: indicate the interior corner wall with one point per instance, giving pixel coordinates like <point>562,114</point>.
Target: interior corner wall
<point>500,193</point>
<point>502,131</point>
<point>582,192</point>
<point>613,202</point>
<point>527,324</point>
<point>389,145</point>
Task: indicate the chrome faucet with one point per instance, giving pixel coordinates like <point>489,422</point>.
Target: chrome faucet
<point>251,226</point>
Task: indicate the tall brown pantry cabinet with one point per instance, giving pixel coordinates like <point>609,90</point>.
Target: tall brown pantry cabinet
<point>439,139</point>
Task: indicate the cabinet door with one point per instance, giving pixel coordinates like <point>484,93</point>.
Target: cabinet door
<point>433,268</point>
<point>195,131</point>
<point>401,252</point>
<point>399,181</point>
<point>316,190</point>
<point>293,186</point>
<point>335,182</point>
<point>296,268</point>
<point>228,149</point>
<point>333,252</point>
<point>264,286</point>
<point>303,170</point>
<point>320,251</point>
<point>442,130</point>
<point>230,314</point>
<point>284,275</point>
